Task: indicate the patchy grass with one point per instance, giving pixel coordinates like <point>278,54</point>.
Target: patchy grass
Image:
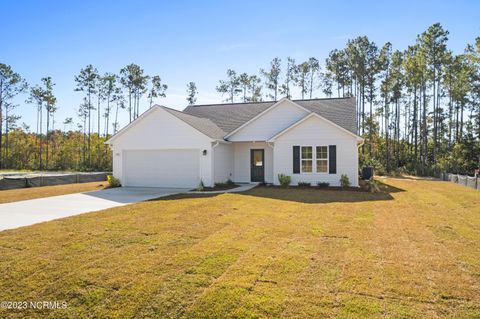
<point>15,195</point>
<point>267,253</point>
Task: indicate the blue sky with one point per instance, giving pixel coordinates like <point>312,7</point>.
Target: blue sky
<point>197,41</point>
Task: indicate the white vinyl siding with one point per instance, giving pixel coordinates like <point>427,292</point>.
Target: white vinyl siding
<point>317,132</point>
<point>223,163</point>
<point>270,123</point>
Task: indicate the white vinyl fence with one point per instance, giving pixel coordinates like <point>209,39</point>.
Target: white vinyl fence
<point>468,181</point>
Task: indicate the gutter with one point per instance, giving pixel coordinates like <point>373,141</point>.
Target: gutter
<point>223,141</point>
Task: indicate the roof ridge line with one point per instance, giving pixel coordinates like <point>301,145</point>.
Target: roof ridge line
<point>261,102</point>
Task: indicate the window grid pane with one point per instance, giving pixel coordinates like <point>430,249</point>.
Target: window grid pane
<point>322,166</point>
<point>322,152</point>
<point>306,166</point>
<point>307,152</point>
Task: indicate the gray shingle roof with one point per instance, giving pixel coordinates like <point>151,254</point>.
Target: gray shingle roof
<point>341,111</point>
<point>228,117</point>
<point>204,125</point>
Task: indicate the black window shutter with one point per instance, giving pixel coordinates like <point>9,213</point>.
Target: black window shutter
<point>296,160</point>
<point>332,159</point>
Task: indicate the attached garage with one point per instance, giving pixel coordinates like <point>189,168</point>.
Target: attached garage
<point>161,168</point>
<point>163,148</point>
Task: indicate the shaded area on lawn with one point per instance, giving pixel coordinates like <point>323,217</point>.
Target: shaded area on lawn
<point>308,195</point>
<point>314,195</point>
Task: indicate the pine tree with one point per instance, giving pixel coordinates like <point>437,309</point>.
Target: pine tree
<point>157,89</point>
<point>86,82</point>
<point>272,77</point>
<point>285,88</point>
<point>191,93</point>
<point>231,86</point>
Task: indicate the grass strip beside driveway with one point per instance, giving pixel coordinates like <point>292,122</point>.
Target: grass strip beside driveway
<point>15,195</point>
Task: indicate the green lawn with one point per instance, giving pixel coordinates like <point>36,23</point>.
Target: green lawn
<point>413,251</point>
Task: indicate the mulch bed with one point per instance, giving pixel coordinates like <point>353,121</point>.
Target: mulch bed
<point>217,187</point>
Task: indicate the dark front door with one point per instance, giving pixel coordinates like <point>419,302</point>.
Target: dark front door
<point>257,166</point>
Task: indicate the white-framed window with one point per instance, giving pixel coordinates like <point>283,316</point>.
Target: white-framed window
<point>306,159</point>
<point>322,159</point>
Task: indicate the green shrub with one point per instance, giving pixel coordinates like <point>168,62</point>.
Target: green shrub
<point>323,184</point>
<point>200,186</point>
<point>304,184</point>
<point>113,181</point>
<point>344,181</point>
<point>284,180</point>
<point>229,182</point>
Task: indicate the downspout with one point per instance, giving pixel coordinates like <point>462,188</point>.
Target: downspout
<point>271,145</point>
<point>358,171</point>
<point>213,161</point>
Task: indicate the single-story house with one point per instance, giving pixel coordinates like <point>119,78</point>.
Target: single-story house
<point>310,140</point>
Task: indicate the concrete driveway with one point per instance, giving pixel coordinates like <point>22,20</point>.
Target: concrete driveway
<point>28,212</point>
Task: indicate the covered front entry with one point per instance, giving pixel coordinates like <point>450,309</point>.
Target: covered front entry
<point>161,168</point>
<point>257,165</point>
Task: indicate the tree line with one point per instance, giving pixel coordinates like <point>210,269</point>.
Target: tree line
<point>418,109</point>
<point>103,95</point>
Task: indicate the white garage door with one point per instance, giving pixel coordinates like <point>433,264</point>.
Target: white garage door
<point>161,168</point>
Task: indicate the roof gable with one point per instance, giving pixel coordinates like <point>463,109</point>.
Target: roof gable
<point>202,125</point>
<point>277,117</point>
<point>316,116</point>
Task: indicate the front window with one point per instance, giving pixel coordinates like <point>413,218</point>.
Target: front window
<point>322,159</point>
<point>307,159</point>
